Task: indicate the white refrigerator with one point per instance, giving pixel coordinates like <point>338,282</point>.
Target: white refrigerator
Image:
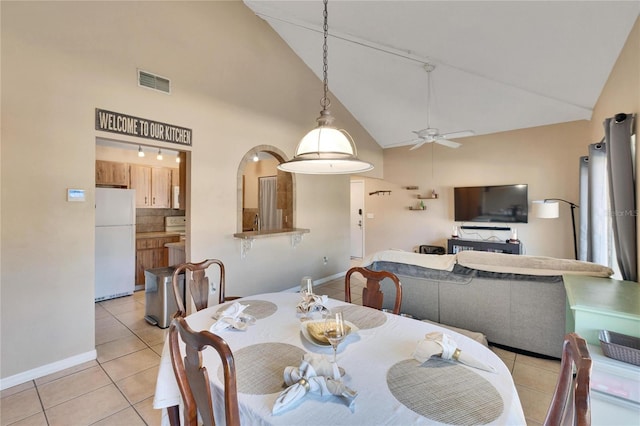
<point>115,243</point>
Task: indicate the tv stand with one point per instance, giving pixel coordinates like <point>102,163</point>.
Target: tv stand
<point>456,245</point>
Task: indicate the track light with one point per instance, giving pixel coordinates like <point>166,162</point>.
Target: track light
<point>140,151</point>
<point>255,158</point>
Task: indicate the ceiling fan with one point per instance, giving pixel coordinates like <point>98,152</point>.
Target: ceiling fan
<point>430,134</point>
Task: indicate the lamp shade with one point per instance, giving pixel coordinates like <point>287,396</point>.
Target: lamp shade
<point>545,209</point>
<point>325,150</point>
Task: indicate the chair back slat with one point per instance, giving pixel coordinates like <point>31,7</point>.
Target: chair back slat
<point>372,296</point>
<point>193,378</point>
<point>197,282</point>
<point>199,288</point>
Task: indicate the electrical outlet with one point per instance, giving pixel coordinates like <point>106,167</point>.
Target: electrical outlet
<point>325,260</point>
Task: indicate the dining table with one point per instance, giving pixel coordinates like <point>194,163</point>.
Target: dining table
<point>376,359</point>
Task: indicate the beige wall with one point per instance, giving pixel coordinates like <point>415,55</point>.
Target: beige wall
<point>546,158</point>
<point>234,82</point>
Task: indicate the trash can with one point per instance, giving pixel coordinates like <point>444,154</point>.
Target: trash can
<point>160,304</point>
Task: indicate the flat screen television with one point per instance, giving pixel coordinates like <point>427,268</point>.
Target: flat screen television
<point>497,203</point>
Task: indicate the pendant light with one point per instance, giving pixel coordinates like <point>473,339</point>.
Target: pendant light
<point>140,151</point>
<point>159,156</point>
<point>325,149</point>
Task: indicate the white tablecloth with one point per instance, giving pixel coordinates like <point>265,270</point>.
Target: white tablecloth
<point>367,358</point>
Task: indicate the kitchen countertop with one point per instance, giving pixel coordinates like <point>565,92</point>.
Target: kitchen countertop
<point>160,234</point>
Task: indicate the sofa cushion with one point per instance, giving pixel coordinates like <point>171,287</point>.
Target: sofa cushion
<point>460,270</point>
<point>529,265</point>
<point>443,262</point>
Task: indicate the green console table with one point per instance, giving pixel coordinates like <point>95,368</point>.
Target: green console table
<point>595,304</point>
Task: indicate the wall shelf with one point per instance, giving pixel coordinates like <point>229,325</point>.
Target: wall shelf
<point>427,197</point>
<point>417,208</point>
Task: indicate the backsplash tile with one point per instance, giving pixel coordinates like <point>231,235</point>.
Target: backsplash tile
<point>152,220</point>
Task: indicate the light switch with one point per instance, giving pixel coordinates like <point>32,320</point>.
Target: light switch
<point>369,215</point>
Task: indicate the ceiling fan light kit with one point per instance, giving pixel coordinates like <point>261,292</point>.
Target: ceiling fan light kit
<point>325,149</point>
<point>431,134</point>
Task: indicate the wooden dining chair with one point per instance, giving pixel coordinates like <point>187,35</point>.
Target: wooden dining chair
<point>193,378</point>
<point>372,296</point>
<point>570,403</point>
<point>197,282</point>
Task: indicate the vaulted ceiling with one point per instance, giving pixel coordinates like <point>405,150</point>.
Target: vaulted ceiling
<point>500,65</point>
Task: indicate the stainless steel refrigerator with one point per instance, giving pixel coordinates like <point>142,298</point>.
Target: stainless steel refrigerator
<point>115,243</point>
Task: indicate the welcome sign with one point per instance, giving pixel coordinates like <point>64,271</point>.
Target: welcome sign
<point>123,124</point>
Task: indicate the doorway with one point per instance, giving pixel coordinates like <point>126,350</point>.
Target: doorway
<point>357,219</point>
<point>157,178</point>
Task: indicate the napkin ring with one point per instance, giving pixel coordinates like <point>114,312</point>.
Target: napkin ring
<point>304,384</point>
<point>456,354</point>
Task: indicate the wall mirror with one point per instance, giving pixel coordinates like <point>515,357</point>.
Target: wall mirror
<point>265,194</point>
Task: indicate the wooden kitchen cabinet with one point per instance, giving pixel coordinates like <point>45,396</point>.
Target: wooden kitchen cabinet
<point>112,173</point>
<point>141,182</point>
<point>161,187</point>
<point>151,253</point>
<point>152,185</point>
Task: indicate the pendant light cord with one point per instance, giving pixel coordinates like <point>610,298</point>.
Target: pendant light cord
<point>429,68</point>
<point>325,102</point>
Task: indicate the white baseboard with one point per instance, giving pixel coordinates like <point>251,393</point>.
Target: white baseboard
<point>329,278</point>
<point>318,282</point>
<point>54,367</point>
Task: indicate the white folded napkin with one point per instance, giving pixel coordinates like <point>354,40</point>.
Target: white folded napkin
<point>437,343</point>
<point>232,317</point>
<point>317,375</point>
<point>312,303</point>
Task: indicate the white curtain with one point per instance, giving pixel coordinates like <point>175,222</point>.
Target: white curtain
<point>595,227</point>
<point>597,215</point>
<point>270,217</point>
<point>583,232</point>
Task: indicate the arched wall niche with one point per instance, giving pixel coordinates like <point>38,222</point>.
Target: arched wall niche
<point>248,169</point>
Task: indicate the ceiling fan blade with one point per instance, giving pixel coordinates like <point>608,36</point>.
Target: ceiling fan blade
<point>460,134</point>
<point>448,142</point>
<point>418,145</point>
<point>403,143</point>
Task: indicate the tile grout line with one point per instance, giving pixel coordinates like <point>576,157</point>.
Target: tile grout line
<point>113,381</point>
<point>44,412</point>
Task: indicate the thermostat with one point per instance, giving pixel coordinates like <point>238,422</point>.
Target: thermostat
<point>75,194</point>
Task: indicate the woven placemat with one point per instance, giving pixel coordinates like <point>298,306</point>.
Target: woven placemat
<point>443,391</point>
<point>260,368</point>
<point>362,316</point>
<point>258,309</point>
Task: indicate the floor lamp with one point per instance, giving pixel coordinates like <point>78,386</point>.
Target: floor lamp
<point>549,208</point>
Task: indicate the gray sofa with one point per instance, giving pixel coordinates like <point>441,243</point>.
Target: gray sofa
<point>516,301</point>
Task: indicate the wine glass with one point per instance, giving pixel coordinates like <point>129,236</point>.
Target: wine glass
<point>334,331</point>
<point>306,286</point>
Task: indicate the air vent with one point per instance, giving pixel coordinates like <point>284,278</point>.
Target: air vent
<point>152,81</point>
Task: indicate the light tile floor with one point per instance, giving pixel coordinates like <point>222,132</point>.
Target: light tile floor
<point>118,388</point>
